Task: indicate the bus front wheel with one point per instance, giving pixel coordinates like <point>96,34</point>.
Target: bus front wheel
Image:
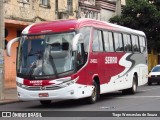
<point>95,94</point>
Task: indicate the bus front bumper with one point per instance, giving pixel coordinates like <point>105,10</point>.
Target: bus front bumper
<point>74,91</point>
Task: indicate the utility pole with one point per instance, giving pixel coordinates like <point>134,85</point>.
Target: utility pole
<point>1,49</point>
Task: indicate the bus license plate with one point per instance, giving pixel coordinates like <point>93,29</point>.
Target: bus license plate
<point>43,95</point>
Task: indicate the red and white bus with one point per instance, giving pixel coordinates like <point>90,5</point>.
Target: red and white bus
<point>72,59</point>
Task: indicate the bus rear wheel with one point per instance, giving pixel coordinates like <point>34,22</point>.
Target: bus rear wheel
<point>133,89</point>
<point>45,102</point>
<point>95,94</point>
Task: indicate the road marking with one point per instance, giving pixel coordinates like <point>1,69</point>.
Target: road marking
<point>140,97</point>
<point>149,89</point>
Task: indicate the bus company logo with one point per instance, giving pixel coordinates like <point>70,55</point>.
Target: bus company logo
<point>93,61</point>
<point>42,88</point>
<point>38,82</point>
<point>111,60</point>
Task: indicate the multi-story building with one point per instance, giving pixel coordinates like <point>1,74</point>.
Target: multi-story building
<point>99,9</point>
<point>21,13</point>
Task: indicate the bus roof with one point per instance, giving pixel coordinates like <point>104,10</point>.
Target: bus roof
<point>74,24</point>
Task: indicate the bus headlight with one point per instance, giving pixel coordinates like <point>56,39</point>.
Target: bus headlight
<point>21,85</point>
<point>67,83</point>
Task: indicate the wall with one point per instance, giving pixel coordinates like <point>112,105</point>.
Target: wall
<point>10,62</point>
<point>106,14</point>
<point>19,15</point>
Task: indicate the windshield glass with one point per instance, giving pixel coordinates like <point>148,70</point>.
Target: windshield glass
<point>156,69</point>
<point>45,54</point>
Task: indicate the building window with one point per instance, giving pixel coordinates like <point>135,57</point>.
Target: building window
<point>45,2</point>
<point>56,7</point>
<point>70,6</point>
<point>23,1</point>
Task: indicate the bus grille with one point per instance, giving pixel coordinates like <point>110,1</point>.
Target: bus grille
<point>37,88</point>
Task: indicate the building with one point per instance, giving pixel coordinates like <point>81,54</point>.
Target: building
<point>99,9</point>
<point>21,13</point>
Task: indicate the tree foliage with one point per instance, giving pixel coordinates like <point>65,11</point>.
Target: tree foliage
<point>142,15</point>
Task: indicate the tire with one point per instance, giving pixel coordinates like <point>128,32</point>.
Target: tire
<point>45,102</point>
<point>158,83</point>
<point>95,94</point>
<point>149,83</point>
<point>133,89</point>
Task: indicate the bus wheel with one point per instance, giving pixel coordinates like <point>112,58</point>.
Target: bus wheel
<point>133,89</point>
<point>45,102</point>
<point>149,83</point>
<point>95,94</point>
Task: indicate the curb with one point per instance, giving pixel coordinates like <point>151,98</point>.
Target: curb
<point>8,102</point>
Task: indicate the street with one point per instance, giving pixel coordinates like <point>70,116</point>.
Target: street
<point>146,99</point>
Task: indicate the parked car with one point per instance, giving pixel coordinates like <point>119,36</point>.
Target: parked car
<point>154,75</point>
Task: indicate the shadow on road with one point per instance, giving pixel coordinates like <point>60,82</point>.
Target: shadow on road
<point>80,102</point>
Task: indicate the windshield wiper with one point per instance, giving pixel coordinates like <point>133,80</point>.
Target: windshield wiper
<point>32,68</point>
<point>53,65</point>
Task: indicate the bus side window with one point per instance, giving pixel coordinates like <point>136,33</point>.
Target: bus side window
<point>97,44</point>
<point>108,41</point>
<point>127,42</point>
<point>142,44</point>
<point>118,42</point>
<point>135,44</point>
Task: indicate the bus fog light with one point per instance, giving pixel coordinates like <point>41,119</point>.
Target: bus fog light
<point>72,92</point>
<point>18,94</point>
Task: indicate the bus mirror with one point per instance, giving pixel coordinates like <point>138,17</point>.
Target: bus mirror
<point>77,39</point>
<point>9,45</point>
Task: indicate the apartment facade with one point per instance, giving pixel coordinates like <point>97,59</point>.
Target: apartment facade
<point>99,9</point>
<point>21,13</point>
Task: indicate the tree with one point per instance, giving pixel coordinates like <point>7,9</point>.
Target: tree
<point>142,15</point>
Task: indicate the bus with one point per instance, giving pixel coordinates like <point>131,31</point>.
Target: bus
<point>78,58</point>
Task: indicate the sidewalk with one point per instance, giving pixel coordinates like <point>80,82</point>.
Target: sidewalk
<point>10,96</point>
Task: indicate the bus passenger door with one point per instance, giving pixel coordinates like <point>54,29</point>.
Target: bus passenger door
<point>96,60</point>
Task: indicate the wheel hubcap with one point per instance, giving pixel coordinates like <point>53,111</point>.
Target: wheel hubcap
<point>94,94</point>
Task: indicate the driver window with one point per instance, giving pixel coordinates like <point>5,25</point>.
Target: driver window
<point>86,35</point>
<point>80,54</point>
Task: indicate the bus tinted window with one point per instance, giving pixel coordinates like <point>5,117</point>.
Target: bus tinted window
<point>97,41</point>
<point>86,35</point>
<point>118,42</point>
<point>108,41</point>
<point>111,42</point>
<point>135,45</point>
<point>127,42</point>
<point>142,44</point>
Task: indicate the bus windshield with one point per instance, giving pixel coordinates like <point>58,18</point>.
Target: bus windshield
<point>43,55</point>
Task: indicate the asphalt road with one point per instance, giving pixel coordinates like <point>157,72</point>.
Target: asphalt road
<point>146,100</point>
